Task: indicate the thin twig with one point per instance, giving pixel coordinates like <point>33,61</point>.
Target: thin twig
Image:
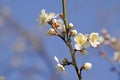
<point>65,19</point>
<point>68,43</point>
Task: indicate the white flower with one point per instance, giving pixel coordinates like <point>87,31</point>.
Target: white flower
<point>80,40</point>
<point>87,66</point>
<point>59,67</point>
<point>116,56</point>
<point>94,39</point>
<point>57,23</point>
<point>44,17</point>
<point>2,78</point>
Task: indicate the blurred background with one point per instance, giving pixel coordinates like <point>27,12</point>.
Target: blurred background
<point>26,53</point>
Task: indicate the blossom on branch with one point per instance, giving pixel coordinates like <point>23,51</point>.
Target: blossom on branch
<point>59,67</point>
<point>44,17</point>
<point>80,40</point>
<point>116,56</point>
<point>87,66</point>
<point>94,39</point>
<point>51,32</point>
<point>58,24</point>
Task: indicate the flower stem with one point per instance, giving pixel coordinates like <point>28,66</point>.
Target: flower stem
<point>65,19</point>
<point>74,61</point>
<point>68,43</point>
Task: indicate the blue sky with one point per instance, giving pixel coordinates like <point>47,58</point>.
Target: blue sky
<point>86,15</point>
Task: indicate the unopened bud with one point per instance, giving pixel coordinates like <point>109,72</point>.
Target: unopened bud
<point>107,36</point>
<point>103,54</point>
<point>61,15</point>
<point>87,66</point>
<point>106,42</point>
<point>51,32</point>
<point>104,31</point>
<point>101,39</point>
<point>65,61</point>
<point>83,51</point>
<point>113,40</point>
<point>70,25</point>
<point>73,32</point>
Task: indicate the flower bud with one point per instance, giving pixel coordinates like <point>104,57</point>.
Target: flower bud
<point>2,78</point>
<point>104,31</point>
<point>51,32</point>
<point>54,20</point>
<point>107,36</point>
<point>106,42</point>
<point>87,66</point>
<point>65,61</point>
<point>113,40</point>
<point>101,39</point>
<point>61,15</point>
<point>70,25</point>
<point>73,32</point>
<point>103,54</point>
<point>83,51</point>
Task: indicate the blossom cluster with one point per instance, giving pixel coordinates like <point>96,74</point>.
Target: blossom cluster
<point>112,42</point>
<point>66,31</point>
<point>82,41</point>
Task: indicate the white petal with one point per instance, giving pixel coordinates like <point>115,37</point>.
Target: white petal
<point>59,69</point>
<point>93,44</point>
<point>56,59</point>
<point>78,46</point>
<point>43,11</point>
<point>86,45</point>
<point>76,38</point>
<point>61,66</point>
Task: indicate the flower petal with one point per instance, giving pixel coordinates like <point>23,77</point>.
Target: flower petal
<point>93,44</point>
<point>78,46</point>
<point>80,38</point>
<point>60,68</point>
<point>56,59</point>
<point>43,11</point>
<point>86,45</point>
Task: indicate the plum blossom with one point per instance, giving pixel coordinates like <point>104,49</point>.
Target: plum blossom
<point>116,56</point>
<point>58,23</point>
<point>94,39</point>
<point>59,67</point>
<point>80,40</point>
<point>44,17</point>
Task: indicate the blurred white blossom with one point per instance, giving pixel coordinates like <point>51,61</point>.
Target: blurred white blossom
<point>116,56</point>
<point>2,78</point>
